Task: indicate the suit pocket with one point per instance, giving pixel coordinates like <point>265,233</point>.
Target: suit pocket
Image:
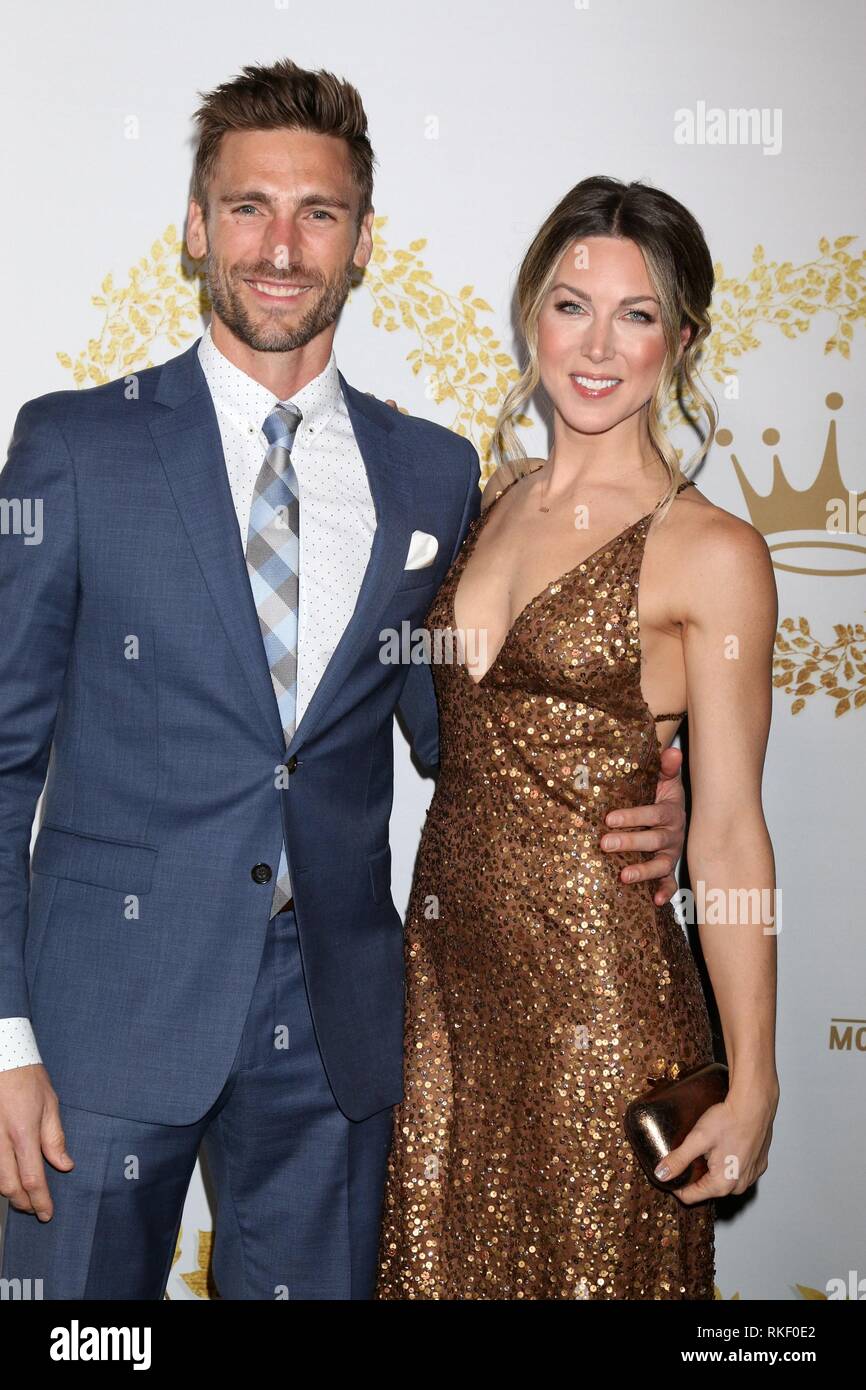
<point>379,865</point>
<point>116,864</point>
<point>417,579</point>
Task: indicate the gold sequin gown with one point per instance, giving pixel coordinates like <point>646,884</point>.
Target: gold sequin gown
<point>542,993</point>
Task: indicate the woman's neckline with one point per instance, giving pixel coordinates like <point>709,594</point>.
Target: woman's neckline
<point>562,578</point>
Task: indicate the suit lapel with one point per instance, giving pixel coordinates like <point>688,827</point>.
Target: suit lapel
<point>390,484</point>
<point>190,446</point>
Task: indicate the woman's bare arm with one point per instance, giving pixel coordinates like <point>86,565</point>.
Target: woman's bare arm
<point>728,616</point>
<point>728,645</point>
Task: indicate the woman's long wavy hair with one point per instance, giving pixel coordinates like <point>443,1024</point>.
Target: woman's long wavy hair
<point>681,271</point>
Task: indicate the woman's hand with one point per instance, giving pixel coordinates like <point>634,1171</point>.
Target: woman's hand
<point>734,1138</point>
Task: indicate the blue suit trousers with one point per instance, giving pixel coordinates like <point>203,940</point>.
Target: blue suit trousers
<point>297,1186</point>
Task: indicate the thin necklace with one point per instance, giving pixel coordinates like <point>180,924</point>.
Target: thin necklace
<point>542,508</point>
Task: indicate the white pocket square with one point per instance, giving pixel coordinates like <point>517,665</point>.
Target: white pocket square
<point>422,551</point>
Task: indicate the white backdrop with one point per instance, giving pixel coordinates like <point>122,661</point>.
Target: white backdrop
<point>482,115</point>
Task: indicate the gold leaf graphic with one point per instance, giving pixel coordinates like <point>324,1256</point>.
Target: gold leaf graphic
<point>804,666</point>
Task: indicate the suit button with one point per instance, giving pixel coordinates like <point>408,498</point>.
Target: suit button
<point>291,763</point>
<point>261,872</point>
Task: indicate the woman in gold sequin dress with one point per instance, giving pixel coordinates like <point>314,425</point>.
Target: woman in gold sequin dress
<point>543,992</point>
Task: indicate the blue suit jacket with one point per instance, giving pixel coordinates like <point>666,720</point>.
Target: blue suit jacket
<point>132,668</point>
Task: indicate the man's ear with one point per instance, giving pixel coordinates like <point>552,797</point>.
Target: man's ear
<point>196,231</point>
<point>364,245</point>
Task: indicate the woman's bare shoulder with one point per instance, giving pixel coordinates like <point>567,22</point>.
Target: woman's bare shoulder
<point>696,523</point>
<point>708,557</point>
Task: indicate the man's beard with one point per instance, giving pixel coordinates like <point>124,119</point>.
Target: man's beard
<point>268,333</point>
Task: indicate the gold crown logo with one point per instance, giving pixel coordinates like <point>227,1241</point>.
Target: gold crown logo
<point>827,507</point>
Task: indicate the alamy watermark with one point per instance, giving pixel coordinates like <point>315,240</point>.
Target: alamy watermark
<point>440,646</point>
<point>22,516</point>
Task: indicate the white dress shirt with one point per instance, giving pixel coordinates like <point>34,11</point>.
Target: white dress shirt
<point>338,520</point>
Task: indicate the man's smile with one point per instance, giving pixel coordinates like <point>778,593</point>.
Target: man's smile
<point>277,289</point>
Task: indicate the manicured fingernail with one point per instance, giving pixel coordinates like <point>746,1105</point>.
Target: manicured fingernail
<point>629,875</point>
<point>614,818</point>
<point>663,1171</point>
<point>611,842</point>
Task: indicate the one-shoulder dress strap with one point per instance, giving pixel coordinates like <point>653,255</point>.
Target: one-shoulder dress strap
<point>505,476</point>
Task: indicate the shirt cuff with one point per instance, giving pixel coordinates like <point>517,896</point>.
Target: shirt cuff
<point>17,1043</point>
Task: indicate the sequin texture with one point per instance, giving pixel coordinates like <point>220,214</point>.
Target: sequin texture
<point>542,994</point>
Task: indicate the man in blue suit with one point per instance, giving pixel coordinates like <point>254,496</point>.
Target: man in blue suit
<point>206,951</point>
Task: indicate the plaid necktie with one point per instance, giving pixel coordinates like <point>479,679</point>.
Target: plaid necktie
<point>272,562</point>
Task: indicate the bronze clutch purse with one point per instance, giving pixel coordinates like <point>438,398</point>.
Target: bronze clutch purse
<point>660,1119</point>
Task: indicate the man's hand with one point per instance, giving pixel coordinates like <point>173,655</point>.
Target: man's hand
<point>30,1127</point>
<point>388,402</point>
<point>662,830</point>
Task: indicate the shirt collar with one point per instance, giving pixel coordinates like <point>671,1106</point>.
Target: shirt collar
<point>241,396</point>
